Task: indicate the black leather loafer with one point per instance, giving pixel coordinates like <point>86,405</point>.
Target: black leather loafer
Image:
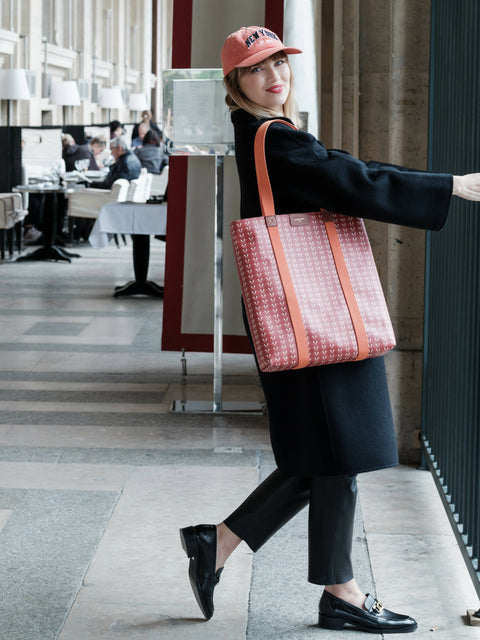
<point>200,545</point>
<point>335,614</point>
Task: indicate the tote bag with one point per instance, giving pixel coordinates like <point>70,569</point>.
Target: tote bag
<point>309,283</point>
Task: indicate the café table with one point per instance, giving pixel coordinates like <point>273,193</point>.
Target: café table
<point>140,221</point>
<point>49,213</point>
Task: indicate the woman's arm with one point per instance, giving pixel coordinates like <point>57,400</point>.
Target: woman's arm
<point>307,177</point>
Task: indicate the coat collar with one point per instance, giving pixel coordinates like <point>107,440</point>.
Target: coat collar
<point>240,116</point>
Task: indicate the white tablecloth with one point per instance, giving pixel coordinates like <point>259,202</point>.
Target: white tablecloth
<point>128,217</point>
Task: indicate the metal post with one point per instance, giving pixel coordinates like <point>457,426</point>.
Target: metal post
<point>218,284</point>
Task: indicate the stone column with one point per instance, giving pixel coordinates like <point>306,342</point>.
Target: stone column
<point>351,76</point>
<point>393,127</point>
<point>331,72</point>
<point>374,103</point>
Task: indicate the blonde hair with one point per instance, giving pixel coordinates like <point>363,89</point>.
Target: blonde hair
<point>67,140</point>
<point>236,99</point>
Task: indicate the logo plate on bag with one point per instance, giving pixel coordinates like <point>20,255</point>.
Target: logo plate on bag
<point>299,219</point>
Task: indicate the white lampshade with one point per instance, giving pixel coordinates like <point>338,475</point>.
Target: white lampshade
<point>65,93</point>
<point>13,85</point>
<point>137,102</point>
<point>111,98</point>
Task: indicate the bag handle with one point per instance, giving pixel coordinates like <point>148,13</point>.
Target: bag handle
<point>264,187</point>
<point>268,211</point>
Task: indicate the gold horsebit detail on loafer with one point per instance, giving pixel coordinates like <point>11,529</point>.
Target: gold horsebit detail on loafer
<point>377,606</point>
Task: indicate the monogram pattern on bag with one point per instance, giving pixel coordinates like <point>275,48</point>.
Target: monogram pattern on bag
<point>328,326</point>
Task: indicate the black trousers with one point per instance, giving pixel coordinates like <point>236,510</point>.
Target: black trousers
<point>331,501</point>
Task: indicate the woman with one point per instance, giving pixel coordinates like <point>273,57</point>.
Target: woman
<point>147,118</point>
<point>327,423</point>
<point>151,154</point>
<point>98,145</point>
<point>116,129</point>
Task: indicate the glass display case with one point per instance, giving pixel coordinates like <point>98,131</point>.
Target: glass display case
<point>195,116</point>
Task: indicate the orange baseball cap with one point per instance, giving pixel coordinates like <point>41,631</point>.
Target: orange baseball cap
<point>249,45</point>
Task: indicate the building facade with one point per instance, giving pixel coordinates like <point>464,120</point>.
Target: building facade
<point>100,44</point>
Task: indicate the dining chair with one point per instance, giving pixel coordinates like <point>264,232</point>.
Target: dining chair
<point>12,213</point>
<point>88,202</point>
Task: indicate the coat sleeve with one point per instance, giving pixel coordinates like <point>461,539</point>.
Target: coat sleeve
<point>305,176</point>
<point>109,179</point>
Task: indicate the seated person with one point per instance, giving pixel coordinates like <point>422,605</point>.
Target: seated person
<point>151,153</point>
<point>116,129</point>
<point>71,152</point>
<point>98,145</point>
<point>143,129</point>
<point>147,118</point>
<point>126,165</point>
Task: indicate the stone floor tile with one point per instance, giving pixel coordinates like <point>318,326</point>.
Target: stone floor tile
<point>103,331</point>
<point>161,457</point>
<point>45,549</point>
<point>81,339</point>
<point>132,553</point>
<point>21,360</point>
<point>244,393</point>
<point>112,362</point>
<point>424,576</point>
<point>41,385</point>
<point>30,454</point>
<point>415,558</point>
<point>4,516</point>
<point>139,574</point>
<point>4,429</point>
<point>160,437</point>
<point>84,407</point>
<point>13,331</point>
<point>106,302</point>
<point>408,495</point>
<point>78,477</point>
<point>105,621</point>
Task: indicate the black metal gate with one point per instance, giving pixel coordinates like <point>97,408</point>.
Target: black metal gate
<point>451,409</point>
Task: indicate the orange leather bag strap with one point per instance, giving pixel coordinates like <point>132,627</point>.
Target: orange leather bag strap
<point>268,211</point>
<point>347,288</point>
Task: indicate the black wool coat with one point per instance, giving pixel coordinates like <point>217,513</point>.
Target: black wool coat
<point>128,166</point>
<point>334,419</point>
<point>75,152</point>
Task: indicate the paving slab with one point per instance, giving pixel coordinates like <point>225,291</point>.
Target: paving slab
<point>45,548</point>
<point>138,577</point>
<point>139,437</point>
<point>417,564</point>
<point>77,477</point>
<point>410,498</point>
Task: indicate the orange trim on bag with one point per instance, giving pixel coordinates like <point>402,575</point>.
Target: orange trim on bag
<point>292,300</point>
<point>263,181</point>
<point>342,271</point>
<point>268,210</point>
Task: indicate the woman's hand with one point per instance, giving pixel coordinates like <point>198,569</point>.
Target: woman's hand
<point>467,186</point>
